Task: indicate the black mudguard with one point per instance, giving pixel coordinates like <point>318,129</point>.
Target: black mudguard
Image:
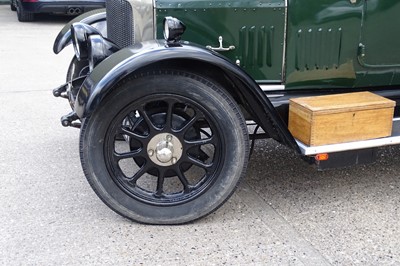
<point>96,18</point>
<point>131,60</point>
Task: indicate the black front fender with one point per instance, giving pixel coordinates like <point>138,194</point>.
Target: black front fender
<point>128,61</point>
<point>95,18</point>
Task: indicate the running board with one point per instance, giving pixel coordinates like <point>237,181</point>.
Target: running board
<point>356,145</point>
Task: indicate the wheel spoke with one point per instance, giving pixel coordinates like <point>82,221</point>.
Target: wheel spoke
<point>200,142</point>
<point>147,119</point>
<point>168,118</point>
<point>205,166</point>
<point>160,184</point>
<point>184,181</point>
<point>133,123</point>
<point>125,131</point>
<point>132,180</point>
<point>126,155</point>
<point>191,122</point>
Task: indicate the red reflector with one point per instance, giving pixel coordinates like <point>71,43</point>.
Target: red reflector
<point>29,1</point>
<point>322,157</point>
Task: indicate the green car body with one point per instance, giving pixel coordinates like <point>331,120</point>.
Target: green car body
<point>186,84</point>
<point>306,44</point>
<point>296,43</point>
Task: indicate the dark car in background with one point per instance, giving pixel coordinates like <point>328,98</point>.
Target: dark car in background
<point>26,9</point>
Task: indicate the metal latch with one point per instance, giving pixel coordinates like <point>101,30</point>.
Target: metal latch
<point>361,50</point>
<point>220,48</point>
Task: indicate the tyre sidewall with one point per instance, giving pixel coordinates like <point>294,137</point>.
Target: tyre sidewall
<point>234,150</point>
<point>12,5</point>
<point>22,15</point>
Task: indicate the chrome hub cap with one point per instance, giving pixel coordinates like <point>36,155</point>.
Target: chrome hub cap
<point>164,149</point>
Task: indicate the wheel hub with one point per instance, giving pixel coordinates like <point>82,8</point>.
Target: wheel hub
<point>164,149</point>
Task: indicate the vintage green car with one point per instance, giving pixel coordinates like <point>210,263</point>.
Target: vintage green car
<point>168,95</point>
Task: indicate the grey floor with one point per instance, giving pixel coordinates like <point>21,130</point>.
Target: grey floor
<point>284,213</point>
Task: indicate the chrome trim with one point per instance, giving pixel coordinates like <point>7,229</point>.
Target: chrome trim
<point>283,72</point>
<point>143,19</point>
<point>221,48</point>
<point>272,87</point>
<point>164,149</point>
<point>275,95</point>
<point>348,146</point>
<point>358,145</point>
<point>154,20</point>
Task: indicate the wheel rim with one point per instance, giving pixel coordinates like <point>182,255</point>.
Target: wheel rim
<point>164,152</point>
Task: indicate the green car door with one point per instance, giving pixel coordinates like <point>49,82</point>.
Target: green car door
<point>322,43</point>
<point>379,54</point>
<point>251,32</point>
<point>301,44</point>
<point>342,44</point>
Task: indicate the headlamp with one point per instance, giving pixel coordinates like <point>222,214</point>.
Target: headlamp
<point>173,29</point>
<point>99,49</point>
<point>80,33</point>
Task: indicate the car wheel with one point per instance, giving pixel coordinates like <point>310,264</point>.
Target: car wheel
<point>166,147</point>
<point>22,15</point>
<point>12,5</point>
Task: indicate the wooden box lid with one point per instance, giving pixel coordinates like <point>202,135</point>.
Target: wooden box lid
<point>338,103</point>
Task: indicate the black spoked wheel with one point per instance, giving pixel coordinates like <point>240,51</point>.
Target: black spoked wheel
<point>165,139</point>
<point>165,148</point>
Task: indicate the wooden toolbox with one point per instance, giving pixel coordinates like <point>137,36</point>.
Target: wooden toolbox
<point>340,118</point>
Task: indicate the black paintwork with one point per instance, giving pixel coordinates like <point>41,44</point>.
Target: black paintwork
<point>131,60</point>
<point>64,37</point>
<point>348,158</point>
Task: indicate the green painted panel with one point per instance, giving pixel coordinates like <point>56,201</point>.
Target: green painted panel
<point>322,43</point>
<point>323,39</point>
<point>255,28</point>
<point>380,33</point>
<point>378,53</point>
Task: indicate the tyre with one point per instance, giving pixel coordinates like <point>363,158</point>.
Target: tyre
<point>22,15</point>
<point>166,147</point>
<point>12,5</point>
